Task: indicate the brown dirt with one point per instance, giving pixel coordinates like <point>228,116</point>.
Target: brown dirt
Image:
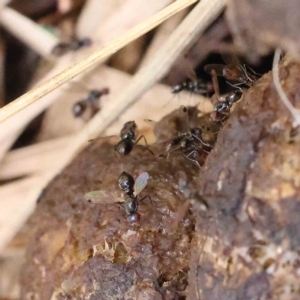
<point>79,249</point>
<point>249,236</point>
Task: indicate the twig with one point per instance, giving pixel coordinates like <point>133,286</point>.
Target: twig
<point>2,71</point>
<point>295,112</point>
<point>96,57</point>
<point>36,158</point>
<point>14,212</point>
<point>29,32</point>
<point>7,143</point>
<point>92,15</point>
<point>161,35</point>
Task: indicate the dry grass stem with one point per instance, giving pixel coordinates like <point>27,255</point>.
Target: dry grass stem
<point>295,112</point>
<point>161,35</point>
<point>29,32</point>
<point>111,28</point>
<point>93,15</point>
<point>31,159</point>
<point>97,57</point>
<point>6,144</point>
<point>15,210</point>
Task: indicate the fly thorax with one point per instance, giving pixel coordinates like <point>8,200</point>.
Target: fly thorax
<point>95,95</point>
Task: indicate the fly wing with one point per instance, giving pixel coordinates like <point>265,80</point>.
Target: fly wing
<point>101,196</point>
<point>218,68</point>
<point>141,183</point>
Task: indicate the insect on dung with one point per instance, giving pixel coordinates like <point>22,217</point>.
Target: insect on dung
<point>192,84</point>
<point>189,142</point>
<point>130,188</point>
<point>74,45</point>
<point>233,71</point>
<point>91,103</point>
<point>128,139</point>
<point>223,105</point>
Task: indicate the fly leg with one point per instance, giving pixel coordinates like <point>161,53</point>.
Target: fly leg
<point>148,196</point>
<point>236,85</point>
<point>201,141</point>
<point>255,73</point>
<point>194,161</point>
<point>147,147</point>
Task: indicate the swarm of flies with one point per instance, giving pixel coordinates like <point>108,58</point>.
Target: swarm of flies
<point>128,139</point>
<point>238,74</point>
<point>91,103</point>
<point>130,191</point>
<point>189,142</point>
<point>74,45</point>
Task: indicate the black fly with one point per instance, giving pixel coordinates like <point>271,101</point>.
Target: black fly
<point>189,141</point>
<point>130,188</point>
<point>233,70</point>
<point>223,104</point>
<point>128,139</point>
<point>193,84</point>
<point>92,102</point>
<point>196,86</point>
<point>74,45</point>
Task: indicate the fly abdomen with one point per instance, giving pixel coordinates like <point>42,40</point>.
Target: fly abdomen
<point>124,147</point>
<point>130,204</point>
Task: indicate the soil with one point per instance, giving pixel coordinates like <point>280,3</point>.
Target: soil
<point>248,235</point>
